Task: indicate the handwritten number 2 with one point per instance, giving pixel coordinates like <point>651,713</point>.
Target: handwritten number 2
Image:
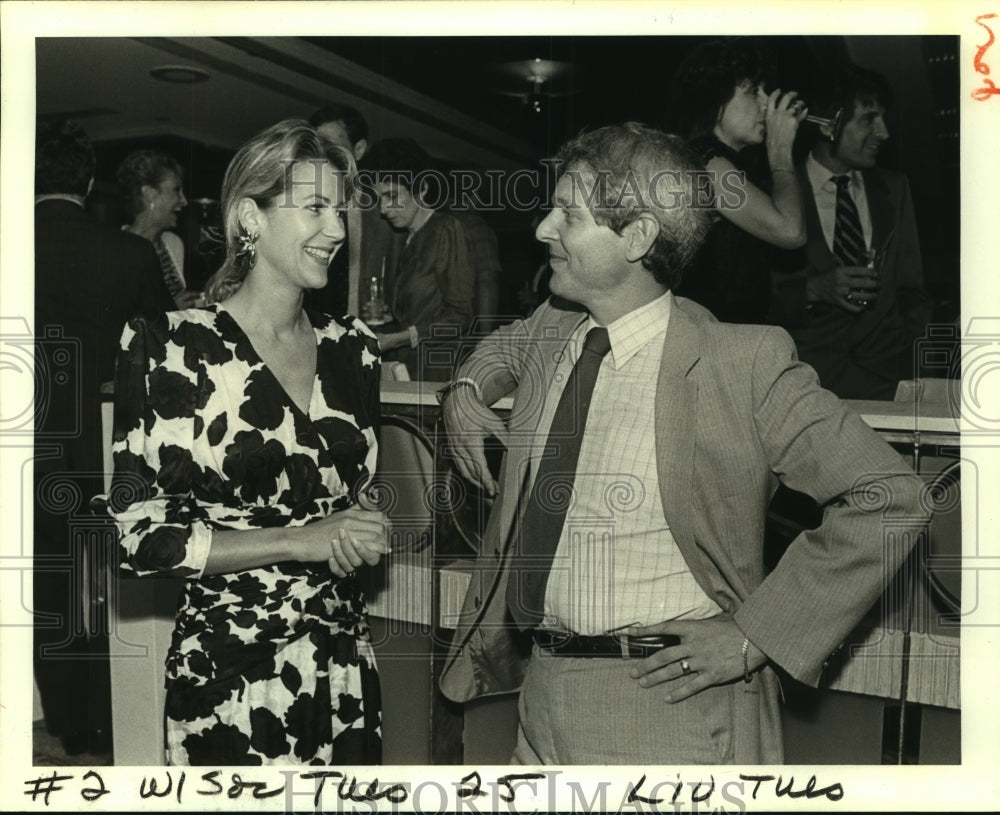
<point>471,786</point>
<point>94,793</point>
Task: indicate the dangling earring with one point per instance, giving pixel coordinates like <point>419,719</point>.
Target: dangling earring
<point>248,246</point>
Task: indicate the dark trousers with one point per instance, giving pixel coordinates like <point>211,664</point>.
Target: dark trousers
<point>70,652</point>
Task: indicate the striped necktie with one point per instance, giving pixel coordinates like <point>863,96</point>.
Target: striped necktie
<point>541,526</point>
<point>848,239</point>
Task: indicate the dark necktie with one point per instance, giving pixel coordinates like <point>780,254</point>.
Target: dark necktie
<point>550,495</point>
<point>848,239</point>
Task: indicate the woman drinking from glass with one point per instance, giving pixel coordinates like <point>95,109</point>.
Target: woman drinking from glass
<point>719,103</point>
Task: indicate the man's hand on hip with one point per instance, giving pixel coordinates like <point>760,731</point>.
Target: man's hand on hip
<point>710,650</point>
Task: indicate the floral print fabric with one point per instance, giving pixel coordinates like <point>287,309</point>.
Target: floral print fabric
<point>271,664</point>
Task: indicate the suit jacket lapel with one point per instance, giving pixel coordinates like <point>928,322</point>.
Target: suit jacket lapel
<point>518,455</point>
<point>675,413</point>
<point>819,253</point>
<point>504,517</point>
<point>879,208</point>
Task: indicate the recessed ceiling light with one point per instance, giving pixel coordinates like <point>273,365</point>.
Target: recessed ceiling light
<point>179,74</point>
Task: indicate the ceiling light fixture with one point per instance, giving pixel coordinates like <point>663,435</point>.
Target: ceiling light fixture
<point>545,79</point>
<point>179,74</point>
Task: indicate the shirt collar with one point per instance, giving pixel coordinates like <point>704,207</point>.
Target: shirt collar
<point>630,333</point>
<point>73,199</point>
<point>423,223</point>
<point>819,176</point>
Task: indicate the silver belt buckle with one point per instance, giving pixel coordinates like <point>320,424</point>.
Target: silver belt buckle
<point>649,641</point>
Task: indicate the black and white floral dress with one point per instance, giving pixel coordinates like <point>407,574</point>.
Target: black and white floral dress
<point>270,665</point>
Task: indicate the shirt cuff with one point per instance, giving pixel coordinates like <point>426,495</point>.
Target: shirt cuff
<point>198,548</point>
<point>459,383</point>
<point>414,337</point>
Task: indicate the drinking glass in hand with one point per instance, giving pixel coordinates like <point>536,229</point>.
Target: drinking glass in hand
<point>872,259</point>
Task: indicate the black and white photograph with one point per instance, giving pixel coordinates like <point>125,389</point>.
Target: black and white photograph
<point>410,406</point>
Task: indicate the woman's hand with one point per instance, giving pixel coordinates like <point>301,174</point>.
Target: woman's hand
<point>347,540</point>
<point>359,537</point>
<point>782,117</point>
<point>349,554</point>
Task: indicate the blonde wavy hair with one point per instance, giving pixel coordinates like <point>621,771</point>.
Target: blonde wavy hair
<point>260,171</point>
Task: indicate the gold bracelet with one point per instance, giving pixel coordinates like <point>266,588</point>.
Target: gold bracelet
<point>747,677</point>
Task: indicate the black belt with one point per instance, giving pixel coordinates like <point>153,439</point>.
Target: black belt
<point>620,646</point>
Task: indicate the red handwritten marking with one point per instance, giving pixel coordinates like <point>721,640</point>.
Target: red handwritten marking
<point>981,67</point>
<point>989,89</point>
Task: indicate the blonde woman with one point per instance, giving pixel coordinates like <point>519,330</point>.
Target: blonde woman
<point>244,433</point>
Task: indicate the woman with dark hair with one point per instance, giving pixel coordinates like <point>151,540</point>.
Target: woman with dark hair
<point>245,433</point>
<point>719,105</point>
<point>154,194</point>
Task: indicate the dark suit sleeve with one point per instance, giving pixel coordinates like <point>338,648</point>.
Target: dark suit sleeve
<point>450,260</point>
<point>793,267</point>
<point>914,304</point>
<point>830,576</point>
<point>789,304</point>
<point>154,297</point>
<point>131,285</point>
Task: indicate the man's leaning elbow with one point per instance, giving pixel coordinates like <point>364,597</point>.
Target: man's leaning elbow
<point>909,501</point>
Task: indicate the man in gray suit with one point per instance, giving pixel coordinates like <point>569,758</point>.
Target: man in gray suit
<point>621,584</point>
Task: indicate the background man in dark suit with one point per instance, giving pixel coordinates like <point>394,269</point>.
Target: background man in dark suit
<point>856,326</point>
<point>89,279</point>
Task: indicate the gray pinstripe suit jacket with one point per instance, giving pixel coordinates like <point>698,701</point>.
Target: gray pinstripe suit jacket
<point>735,412</point>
